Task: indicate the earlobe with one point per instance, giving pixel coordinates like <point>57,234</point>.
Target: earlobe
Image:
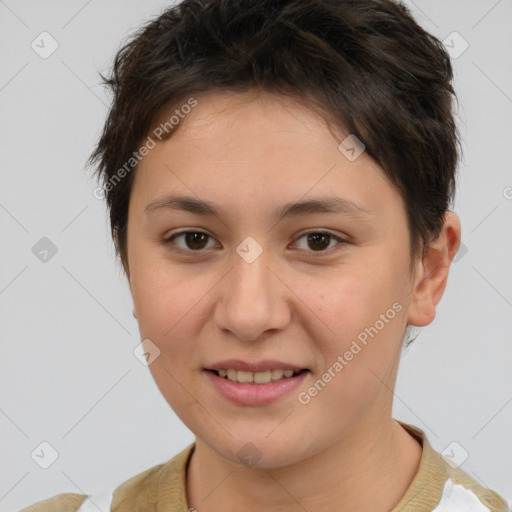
<point>432,273</point>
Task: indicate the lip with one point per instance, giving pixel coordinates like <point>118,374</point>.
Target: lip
<point>261,366</point>
<point>251,394</point>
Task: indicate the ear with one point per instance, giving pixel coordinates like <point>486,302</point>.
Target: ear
<point>134,311</point>
<point>432,272</point>
<point>127,274</point>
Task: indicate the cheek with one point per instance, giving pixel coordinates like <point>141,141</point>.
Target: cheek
<point>366,315</point>
<point>161,292</point>
<point>349,302</point>
<point>171,316</point>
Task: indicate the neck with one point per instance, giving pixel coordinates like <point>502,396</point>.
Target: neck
<point>369,469</point>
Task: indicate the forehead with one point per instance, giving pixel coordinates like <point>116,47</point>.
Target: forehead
<point>259,151</point>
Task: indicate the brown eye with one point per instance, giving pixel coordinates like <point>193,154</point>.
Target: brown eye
<point>194,240</point>
<point>319,241</point>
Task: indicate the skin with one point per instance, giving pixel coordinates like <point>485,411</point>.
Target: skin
<point>249,154</point>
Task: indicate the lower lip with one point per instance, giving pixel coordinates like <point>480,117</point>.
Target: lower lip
<point>255,394</point>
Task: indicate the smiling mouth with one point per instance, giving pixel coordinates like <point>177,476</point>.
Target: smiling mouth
<point>265,377</point>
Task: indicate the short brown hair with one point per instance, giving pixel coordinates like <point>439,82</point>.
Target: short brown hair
<point>365,64</point>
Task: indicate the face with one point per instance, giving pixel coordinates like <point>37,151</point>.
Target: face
<point>325,289</point>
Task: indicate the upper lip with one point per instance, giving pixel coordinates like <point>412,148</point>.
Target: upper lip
<point>260,366</point>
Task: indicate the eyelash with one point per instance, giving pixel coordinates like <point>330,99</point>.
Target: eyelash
<point>170,241</point>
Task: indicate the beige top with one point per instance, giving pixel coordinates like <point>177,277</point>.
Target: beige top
<point>436,487</point>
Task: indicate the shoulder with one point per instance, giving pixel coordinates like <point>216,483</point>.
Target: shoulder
<point>440,485</point>
<point>161,487</point>
<point>140,490</point>
<point>157,488</point>
<point>69,502</point>
<point>462,492</point>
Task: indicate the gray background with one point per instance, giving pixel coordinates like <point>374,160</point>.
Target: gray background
<point>68,373</point>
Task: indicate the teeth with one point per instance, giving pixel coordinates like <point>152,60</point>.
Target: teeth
<point>256,377</point>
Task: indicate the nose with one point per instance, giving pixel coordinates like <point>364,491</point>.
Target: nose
<point>252,300</point>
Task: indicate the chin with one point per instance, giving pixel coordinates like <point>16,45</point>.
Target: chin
<point>259,450</point>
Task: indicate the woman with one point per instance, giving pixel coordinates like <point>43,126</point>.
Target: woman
<point>279,176</point>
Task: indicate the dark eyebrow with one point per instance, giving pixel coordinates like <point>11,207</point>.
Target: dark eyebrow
<point>319,205</point>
